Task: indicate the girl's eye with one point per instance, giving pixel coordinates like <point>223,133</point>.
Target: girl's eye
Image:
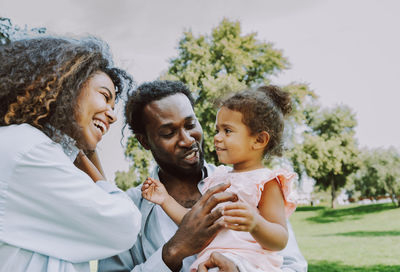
<point>227,131</point>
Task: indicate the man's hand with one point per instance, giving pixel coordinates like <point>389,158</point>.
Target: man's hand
<point>218,260</point>
<point>198,227</point>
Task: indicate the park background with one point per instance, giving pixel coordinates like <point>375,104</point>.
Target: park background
<point>346,52</point>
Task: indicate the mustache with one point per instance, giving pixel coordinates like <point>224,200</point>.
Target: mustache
<point>194,148</point>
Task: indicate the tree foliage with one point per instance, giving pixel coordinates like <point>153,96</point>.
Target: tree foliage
<point>213,65</point>
<point>139,171</point>
<point>379,174</point>
<point>328,152</point>
<point>216,64</point>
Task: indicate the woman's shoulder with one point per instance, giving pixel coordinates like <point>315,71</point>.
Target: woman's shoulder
<point>22,135</point>
<point>18,140</point>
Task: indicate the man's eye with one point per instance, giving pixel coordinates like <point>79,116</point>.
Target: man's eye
<point>190,126</point>
<point>167,135</point>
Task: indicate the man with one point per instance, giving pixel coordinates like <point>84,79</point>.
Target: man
<point>161,116</point>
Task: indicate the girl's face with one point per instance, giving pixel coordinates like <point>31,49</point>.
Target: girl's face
<point>95,108</point>
<point>233,141</point>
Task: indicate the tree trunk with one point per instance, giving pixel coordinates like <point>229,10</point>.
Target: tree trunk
<point>333,193</point>
<point>395,199</point>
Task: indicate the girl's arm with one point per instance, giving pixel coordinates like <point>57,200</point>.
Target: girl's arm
<point>268,226</point>
<point>153,190</point>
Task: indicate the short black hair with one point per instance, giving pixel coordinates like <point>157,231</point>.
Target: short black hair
<point>147,93</point>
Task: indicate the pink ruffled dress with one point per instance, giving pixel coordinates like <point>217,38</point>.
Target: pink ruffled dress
<point>248,186</point>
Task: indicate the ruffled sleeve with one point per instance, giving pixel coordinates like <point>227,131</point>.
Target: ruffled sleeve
<point>285,180</point>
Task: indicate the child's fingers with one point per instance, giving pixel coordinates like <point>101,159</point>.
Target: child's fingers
<point>234,220</point>
<point>236,213</point>
<point>145,186</point>
<point>156,182</point>
<point>234,206</point>
<point>237,227</point>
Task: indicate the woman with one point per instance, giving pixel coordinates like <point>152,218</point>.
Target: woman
<point>57,97</point>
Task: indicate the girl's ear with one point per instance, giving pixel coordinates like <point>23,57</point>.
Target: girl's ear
<point>143,141</point>
<point>261,140</point>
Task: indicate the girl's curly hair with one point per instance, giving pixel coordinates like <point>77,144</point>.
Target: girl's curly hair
<point>263,109</point>
<point>41,78</point>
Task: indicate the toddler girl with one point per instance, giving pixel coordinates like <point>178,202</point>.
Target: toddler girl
<point>249,126</point>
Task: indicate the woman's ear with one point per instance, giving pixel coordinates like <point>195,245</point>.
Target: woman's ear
<point>261,140</point>
<point>143,141</point>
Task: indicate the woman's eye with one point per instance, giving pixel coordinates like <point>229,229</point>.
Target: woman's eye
<point>106,96</point>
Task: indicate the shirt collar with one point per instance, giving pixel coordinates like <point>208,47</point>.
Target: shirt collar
<point>68,144</point>
<point>204,174</point>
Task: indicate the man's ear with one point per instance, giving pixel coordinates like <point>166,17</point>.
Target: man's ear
<point>261,140</point>
<point>143,141</point>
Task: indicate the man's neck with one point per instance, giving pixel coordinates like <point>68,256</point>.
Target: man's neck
<point>183,189</point>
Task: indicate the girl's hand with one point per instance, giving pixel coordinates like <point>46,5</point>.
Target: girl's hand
<point>154,191</point>
<point>240,217</point>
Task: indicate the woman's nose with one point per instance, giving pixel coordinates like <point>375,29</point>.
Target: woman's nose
<point>110,113</point>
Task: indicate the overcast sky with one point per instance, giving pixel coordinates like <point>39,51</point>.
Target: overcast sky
<point>346,50</point>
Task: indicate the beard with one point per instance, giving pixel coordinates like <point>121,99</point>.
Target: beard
<point>183,172</point>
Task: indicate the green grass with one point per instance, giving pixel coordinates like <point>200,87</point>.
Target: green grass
<point>354,238</point>
<point>349,238</point>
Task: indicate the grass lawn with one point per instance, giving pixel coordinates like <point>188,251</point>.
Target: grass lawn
<point>349,238</point>
<point>354,238</point>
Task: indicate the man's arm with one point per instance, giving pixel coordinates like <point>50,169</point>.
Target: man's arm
<point>293,260</point>
<point>196,231</point>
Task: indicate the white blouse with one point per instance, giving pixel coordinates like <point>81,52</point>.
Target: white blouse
<point>53,217</point>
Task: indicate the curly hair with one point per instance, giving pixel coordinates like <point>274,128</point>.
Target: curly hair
<point>41,78</point>
<point>147,93</point>
<point>263,109</point>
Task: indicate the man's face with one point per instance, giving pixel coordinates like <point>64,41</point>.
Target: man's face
<point>174,135</point>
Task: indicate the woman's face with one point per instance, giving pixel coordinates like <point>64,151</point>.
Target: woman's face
<point>95,111</point>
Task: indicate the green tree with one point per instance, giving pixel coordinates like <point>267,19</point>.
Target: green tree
<point>379,174</point>
<point>8,31</point>
<point>139,171</point>
<point>328,151</point>
<point>224,61</point>
<point>216,64</point>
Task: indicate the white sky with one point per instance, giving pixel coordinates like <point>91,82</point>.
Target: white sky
<point>346,50</point>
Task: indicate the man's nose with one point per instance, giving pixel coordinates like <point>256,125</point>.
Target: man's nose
<point>186,139</point>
